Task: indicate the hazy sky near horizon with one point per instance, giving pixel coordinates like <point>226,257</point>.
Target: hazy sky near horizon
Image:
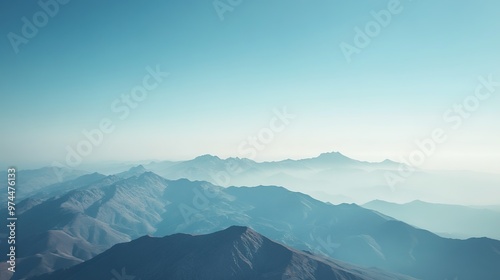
<point>228,77</point>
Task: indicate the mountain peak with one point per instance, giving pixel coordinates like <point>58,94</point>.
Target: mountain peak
<point>133,171</point>
<point>333,156</point>
<point>389,162</point>
<point>138,168</point>
<point>236,231</point>
<point>207,157</point>
<point>239,235</point>
<point>151,177</point>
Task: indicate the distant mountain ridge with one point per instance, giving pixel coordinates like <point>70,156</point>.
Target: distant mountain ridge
<point>337,178</point>
<point>331,177</point>
<point>34,180</point>
<point>325,170</point>
<point>448,220</point>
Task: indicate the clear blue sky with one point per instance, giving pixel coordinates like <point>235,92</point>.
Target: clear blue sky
<point>227,76</point>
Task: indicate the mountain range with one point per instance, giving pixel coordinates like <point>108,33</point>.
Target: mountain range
<point>233,253</point>
<point>331,177</point>
<point>337,178</point>
<point>69,227</point>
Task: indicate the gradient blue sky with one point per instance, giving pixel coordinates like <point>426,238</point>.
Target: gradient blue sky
<point>226,77</point>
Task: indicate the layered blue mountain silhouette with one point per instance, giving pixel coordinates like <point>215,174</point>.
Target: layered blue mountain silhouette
<point>337,178</point>
<point>33,181</point>
<point>65,229</point>
<point>447,220</point>
<point>331,177</point>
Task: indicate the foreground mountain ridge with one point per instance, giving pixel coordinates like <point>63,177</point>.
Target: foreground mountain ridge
<point>234,253</point>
